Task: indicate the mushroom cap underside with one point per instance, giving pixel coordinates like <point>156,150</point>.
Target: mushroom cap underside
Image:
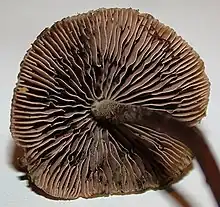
<point>113,54</point>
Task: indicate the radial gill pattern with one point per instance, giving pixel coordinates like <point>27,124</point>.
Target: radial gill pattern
<point>113,54</point>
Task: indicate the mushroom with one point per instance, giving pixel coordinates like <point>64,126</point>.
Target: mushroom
<point>70,85</point>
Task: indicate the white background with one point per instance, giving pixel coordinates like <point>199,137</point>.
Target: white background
<point>197,21</point>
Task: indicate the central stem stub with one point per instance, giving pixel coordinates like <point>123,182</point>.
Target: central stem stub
<point>105,110</point>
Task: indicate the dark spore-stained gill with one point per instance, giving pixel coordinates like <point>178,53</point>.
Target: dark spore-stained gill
<point>70,86</point>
